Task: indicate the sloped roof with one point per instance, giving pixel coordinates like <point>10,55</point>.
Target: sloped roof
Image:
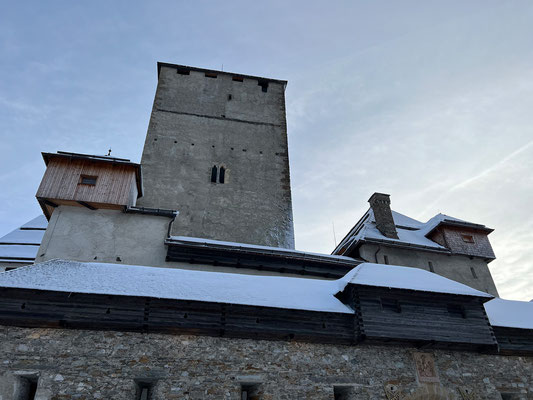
<point>218,287</point>
<point>178,284</point>
<point>394,276</point>
<point>411,232</point>
<point>22,244</point>
<point>510,313</point>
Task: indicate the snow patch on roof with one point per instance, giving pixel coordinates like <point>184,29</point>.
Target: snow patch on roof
<point>39,222</point>
<point>179,284</point>
<point>510,313</point>
<point>394,276</point>
<point>8,251</point>
<point>255,247</point>
<point>24,242</point>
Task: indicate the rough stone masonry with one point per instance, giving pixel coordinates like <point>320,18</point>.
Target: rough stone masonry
<point>79,364</point>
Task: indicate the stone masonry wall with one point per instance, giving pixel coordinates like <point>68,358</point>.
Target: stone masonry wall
<point>77,364</point>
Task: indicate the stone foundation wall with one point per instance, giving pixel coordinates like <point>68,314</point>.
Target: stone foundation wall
<point>77,364</point>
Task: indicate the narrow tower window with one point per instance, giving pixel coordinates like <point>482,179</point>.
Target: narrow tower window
<point>430,264</point>
<point>222,175</point>
<point>264,85</point>
<point>473,272</point>
<point>386,259</point>
<point>214,174</point>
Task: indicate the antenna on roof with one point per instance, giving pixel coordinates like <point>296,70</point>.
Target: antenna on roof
<point>334,236</point>
<point>109,152</point>
<point>222,67</point>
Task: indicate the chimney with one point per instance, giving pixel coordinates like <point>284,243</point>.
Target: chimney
<point>380,204</point>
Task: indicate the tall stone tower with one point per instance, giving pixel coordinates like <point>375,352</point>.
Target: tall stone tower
<point>216,150</point>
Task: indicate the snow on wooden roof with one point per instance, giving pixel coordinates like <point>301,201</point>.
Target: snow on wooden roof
<point>22,244</point>
<point>510,313</point>
<point>179,284</point>
<point>394,276</point>
<point>218,287</point>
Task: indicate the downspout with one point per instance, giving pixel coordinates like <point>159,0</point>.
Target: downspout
<point>376,254</point>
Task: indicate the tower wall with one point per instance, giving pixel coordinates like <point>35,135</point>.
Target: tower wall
<point>205,119</point>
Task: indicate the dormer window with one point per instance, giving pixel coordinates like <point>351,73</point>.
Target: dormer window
<point>468,238</point>
<point>88,180</point>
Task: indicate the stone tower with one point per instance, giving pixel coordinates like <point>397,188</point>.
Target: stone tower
<point>216,150</point>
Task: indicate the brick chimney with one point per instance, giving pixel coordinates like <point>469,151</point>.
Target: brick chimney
<point>380,204</point>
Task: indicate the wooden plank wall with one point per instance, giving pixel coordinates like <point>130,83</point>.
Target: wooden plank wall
<point>102,312</point>
<point>62,176</point>
<point>513,340</point>
<point>422,322</point>
<point>422,316</point>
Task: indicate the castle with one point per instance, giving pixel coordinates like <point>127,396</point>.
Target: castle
<point>177,278</point>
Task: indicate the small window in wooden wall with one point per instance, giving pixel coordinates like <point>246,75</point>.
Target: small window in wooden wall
<point>88,180</point>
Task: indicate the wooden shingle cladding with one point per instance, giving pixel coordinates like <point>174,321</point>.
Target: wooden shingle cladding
<point>431,319</point>
<point>89,181</point>
<point>464,239</point>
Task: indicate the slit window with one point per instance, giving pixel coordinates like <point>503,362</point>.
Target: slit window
<point>456,310</point>
<point>27,387</point>
<point>473,271</point>
<point>250,391</point>
<point>88,180</point>
<point>222,175</point>
<point>391,305</point>
<point>144,390</point>
<point>468,238</point>
<point>264,85</point>
<point>430,265</point>
<point>214,173</point>
<point>386,259</point>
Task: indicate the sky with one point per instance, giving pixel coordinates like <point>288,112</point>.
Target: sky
<point>431,102</point>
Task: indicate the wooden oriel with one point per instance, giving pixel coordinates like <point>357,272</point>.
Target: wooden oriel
<point>88,181</point>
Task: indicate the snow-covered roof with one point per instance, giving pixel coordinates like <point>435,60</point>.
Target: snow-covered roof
<point>410,231</point>
<point>236,245</point>
<point>510,313</point>
<point>22,244</point>
<point>393,276</point>
<point>179,284</point>
<point>218,287</point>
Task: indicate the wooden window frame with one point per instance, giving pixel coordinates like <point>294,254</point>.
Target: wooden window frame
<point>91,178</point>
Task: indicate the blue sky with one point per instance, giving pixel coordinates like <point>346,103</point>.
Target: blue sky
<point>428,101</point>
